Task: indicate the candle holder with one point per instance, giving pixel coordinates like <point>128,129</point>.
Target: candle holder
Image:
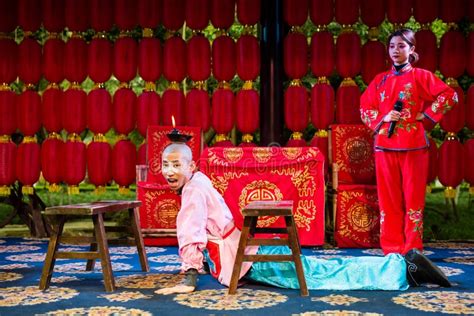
<point>176,137</point>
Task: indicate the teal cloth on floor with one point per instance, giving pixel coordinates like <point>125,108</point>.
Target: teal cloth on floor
<point>357,273</point>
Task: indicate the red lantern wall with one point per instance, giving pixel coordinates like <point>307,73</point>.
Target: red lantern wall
<point>198,109</point>
<point>53,60</point>
<point>452,54</point>
<point>52,107</point>
<point>28,164</point>
<point>295,55</point>
<point>197,14</point>
<point>223,112</point>
<point>470,108</point>
<point>125,58</point>
<point>322,54</point>
<point>248,11</point>
<point>100,59</point>
<point>427,49</point>
<point>399,11</point>
<point>223,58</point>
<point>125,111</point>
<point>296,113</point>
<point>222,13</point>
<point>295,12</point>
<point>74,163</point>
<point>373,60</point>
<point>321,12</point>
<point>469,162</point>
<point>149,13</point>
<point>8,111</point>
<point>124,159</point>
<point>173,102</point>
<point>7,165</point>
<point>322,105</point>
<point>451,164</point>
<point>8,60</point>
<point>99,163</point>
<point>52,161</point>
<point>99,111</point>
<point>148,110</point>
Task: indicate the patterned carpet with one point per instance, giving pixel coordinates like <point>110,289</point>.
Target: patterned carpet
<point>76,292</point>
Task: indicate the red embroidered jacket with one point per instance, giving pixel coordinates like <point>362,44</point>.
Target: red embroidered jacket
<point>412,86</point>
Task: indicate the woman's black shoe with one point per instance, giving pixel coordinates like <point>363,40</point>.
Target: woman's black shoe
<point>420,270</point>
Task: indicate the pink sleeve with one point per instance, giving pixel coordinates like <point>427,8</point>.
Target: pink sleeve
<point>191,229</point>
<point>369,107</point>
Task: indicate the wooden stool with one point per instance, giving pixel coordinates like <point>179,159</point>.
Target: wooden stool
<point>60,214</point>
<point>268,208</point>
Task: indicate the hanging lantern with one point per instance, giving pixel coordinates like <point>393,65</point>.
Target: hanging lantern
<point>8,111</point>
<point>174,55</point>
<point>198,109</point>
<point>8,16</point>
<point>198,58</point>
<point>222,13</point>
<point>321,140</point>
<point>52,106</point>
<point>99,163</point>
<point>99,111</point>
<point>453,121</point>
<point>75,59</point>
<point>173,105</point>
<point>29,61</point>
<point>29,15</point>
<point>470,54</point>
<point>124,159</point>
<point>248,11</point>
<point>102,15</point>
<point>223,114</point>
<point>29,112</point>
<point>451,165</point>
<point>8,60</point>
<point>173,14</point>
<point>295,55</point>
<point>346,11</point>
<point>197,14</point>
<point>248,57</point>
<point>223,58</point>
<point>452,54</point>
<point>7,165</point>
<point>125,58</point>
<point>372,12</point>
<point>427,50</point>
<point>149,13</point>
<point>433,161</point>
<point>347,103</point>
<point>100,59</point>
<point>248,113</point>
<point>148,110</point>
<point>52,161</point>
<point>53,15</point>
<point>374,60</point>
<point>296,113</point>
<point>77,15</point>
<point>468,164</point>
<point>399,11</point>
<point>322,54</point>
<point>28,164</point>
<point>124,111</point>
<point>53,60</point>
<point>150,59</point>
<point>141,157</point>
<point>425,11</point>
<point>74,163</point>
<point>469,108</point>
<point>321,12</point>
<point>126,16</point>
<point>348,54</point>
<point>322,105</point>
<point>295,12</point>
<point>74,113</point>
<point>452,11</point>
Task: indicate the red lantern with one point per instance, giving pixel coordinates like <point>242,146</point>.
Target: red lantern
<point>28,164</point>
<point>125,110</point>
<point>8,60</point>
<point>453,121</point>
<point>8,111</point>
<point>469,162</point>
<point>372,12</point>
<point>322,54</point>
<point>223,58</point>
<point>451,164</point>
<point>102,14</point>
<point>74,163</point>
<point>29,61</point>
<point>29,15</point>
<point>198,109</point>
<point>52,161</point>
<point>469,108</point>
<point>125,59</point>
<point>222,13</point>
<point>173,105</point>
<point>125,14</point>
<point>77,15</point>
<point>141,157</point>
<point>248,113</point>
<point>100,59</point>
<point>295,55</point>
<point>433,161</point>
<point>295,12</point>
<point>296,112</point>
<point>150,59</point>
<point>399,11</point>
<point>7,165</point>
<point>75,59</point>
<point>174,55</point>
<point>29,112</point>
<point>8,16</point>
<point>148,110</point>
<point>373,60</point>
<point>53,60</point>
<point>52,107</point>
<point>248,57</point>
<point>347,103</point>
<point>74,114</point>
<point>322,105</point>
<point>149,13</point>
<point>198,58</point>
<point>248,11</point>
<point>124,159</point>
<point>321,12</point>
<point>348,54</point>
<point>452,11</point>
<point>173,14</point>
<point>452,54</point>
<point>425,11</point>
<point>197,14</point>
<point>427,50</point>
<point>99,163</point>
<point>346,11</point>
<point>223,112</point>
<point>53,15</point>
<point>320,140</point>
<point>470,54</point>
<point>99,111</point>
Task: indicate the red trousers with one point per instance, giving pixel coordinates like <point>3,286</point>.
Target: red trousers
<point>401,185</point>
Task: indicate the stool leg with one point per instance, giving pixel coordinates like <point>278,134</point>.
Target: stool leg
<point>295,249</point>
<point>133,213</point>
<point>50,259</point>
<point>91,262</point>
<point>104,252</point>
<point>240,255</point>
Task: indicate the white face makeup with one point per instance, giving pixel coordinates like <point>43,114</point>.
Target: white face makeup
<point>399,50</point>
<point>176,170</point>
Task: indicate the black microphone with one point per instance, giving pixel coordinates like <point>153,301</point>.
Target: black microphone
<point>397,107</point>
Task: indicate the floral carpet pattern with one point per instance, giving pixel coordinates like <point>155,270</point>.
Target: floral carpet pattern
<point>74,291</point>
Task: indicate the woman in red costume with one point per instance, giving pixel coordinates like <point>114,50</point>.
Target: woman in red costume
<point>392,106</point>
